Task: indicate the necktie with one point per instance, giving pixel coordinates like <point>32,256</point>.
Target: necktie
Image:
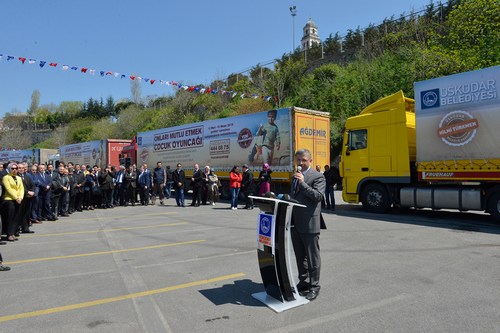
<point>295,185</point>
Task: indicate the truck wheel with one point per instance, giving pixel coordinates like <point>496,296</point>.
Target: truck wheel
<point>494,206</point>
<point>375,198</point>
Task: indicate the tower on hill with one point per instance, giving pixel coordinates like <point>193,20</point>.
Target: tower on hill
<point>310,37</point>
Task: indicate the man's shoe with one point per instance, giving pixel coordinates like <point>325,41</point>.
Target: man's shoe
<point>37,222</point>
<point>28,231</point>
<point>312,295</point>
<point>3,243</point>
<point>65,215</point>
<point>4,268</point>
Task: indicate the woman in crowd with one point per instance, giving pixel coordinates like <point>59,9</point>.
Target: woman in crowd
<point>90,182</point>
<point>235,178</point>
<point>12,197</point>
<point>205,183</point>
<point>213,188</point>
<point>265,180</point>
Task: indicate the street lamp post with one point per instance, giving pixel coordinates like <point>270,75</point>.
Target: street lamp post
<point>293,11</point>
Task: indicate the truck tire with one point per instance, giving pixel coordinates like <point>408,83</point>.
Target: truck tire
<point>375,198</point>
<point>494,206</point>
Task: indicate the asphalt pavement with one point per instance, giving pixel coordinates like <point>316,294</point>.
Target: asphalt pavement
<point>194,269</point>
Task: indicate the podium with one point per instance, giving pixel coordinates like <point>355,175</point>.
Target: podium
<point>274,252</point>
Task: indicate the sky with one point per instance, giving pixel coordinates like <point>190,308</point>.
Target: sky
<point>193,42</point>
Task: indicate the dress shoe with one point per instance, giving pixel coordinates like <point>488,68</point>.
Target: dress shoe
<point>64,215</point>
<point>37,222</point>
<point>28,231</point>
<point>311,295</point>
<point>3,243</point>
<point>4,268</point>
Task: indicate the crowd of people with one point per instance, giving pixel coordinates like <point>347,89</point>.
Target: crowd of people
<point>32,194</point>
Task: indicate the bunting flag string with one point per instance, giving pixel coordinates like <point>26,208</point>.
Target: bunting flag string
<point>200,88</point>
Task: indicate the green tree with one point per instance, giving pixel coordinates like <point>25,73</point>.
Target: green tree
<point>474,31</point>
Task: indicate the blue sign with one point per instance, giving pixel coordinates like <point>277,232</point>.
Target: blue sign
<point>265,229</point>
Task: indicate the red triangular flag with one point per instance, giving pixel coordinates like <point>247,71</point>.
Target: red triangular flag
<point>22,59</point>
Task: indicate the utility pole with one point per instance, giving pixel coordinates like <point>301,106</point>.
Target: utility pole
<point>293,11</point>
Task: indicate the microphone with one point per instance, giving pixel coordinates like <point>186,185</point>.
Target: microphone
<point>299,168</point>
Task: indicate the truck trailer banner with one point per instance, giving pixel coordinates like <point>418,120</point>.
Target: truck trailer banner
<point>252,139</point>
<point>88,153</point>
<point>458,116</point>
<point>25,155</point>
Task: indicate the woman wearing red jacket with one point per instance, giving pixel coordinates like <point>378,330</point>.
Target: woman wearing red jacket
<point>235,178</point>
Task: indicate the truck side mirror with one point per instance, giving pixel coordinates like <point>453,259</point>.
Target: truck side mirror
<point>347,150</point>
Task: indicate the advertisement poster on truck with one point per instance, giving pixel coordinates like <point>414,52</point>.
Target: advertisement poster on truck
<point>257,138</point>
<point>88,153</point>
<point>457,116</point>
<point>313,131</point>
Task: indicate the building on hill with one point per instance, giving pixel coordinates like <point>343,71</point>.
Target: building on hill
<point>310,37</point>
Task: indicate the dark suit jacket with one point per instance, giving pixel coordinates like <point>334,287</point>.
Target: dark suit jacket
<point>247,184</point>
<point>34,179</point>
<point>79,179</point>
<point>178,177</point>
<point>198,178</point>
<point>310,193</point>
<point>44,181</point>
<point>28,184</point>
<point>106,180</point>
<point>130,179</point>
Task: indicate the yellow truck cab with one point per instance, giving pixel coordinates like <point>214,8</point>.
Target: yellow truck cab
<point>379,149</point>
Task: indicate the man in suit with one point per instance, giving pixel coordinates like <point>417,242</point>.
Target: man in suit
<point>120,187</point>
<point>60,187</point>
<point>44,194</point>
<point>308,187</point>
<point>79,185</point>
<point>29,196</point>
<point>178,178</point>
<point>130,186</point>
<point>106,181</point>
<point>144,181</point>
<point>247,186</point>
<point>34,217</point>
<point>197,183</point>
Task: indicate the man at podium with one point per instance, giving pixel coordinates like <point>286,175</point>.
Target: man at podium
<point>308,187</point>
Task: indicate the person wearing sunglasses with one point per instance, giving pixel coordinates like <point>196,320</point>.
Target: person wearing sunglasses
<point>12,198</point>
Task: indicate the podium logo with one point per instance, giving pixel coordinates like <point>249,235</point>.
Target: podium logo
<point>265,225</point>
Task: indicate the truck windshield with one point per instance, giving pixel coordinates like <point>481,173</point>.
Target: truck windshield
<point>357,139</point>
